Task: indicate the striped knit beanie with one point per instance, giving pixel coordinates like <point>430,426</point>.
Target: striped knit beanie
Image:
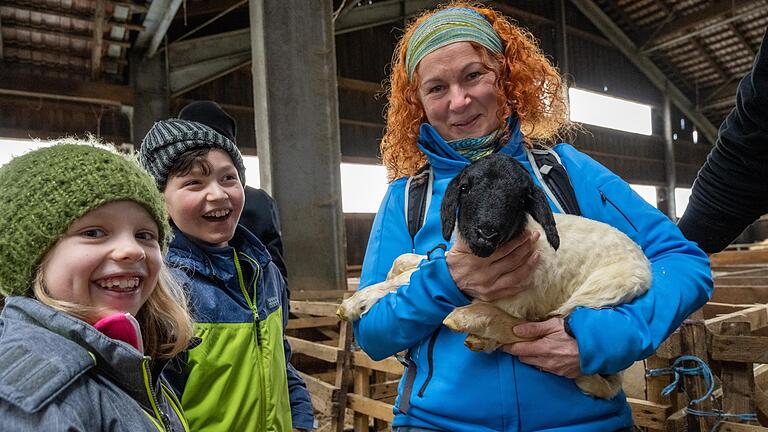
<point>44,191</point>
<point>449,26</point>
<point>169,139</point>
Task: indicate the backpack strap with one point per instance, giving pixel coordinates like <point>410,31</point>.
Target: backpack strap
<point>418,194</point>
<point>554,179</point>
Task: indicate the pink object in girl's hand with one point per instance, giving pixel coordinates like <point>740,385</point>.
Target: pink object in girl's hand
<point>122,327</point>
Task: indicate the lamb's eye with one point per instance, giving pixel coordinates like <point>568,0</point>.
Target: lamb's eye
<point>464,188</point>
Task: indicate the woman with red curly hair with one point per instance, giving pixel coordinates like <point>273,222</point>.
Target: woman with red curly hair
<point>466,83</point>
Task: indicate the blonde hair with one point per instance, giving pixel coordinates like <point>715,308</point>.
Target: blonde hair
<point>166,325</point>
<point>526,82</point>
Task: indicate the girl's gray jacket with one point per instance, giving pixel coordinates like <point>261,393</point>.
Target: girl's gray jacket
<point>57,373</point>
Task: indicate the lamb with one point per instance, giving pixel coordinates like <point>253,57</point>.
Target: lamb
<point>582,262</point>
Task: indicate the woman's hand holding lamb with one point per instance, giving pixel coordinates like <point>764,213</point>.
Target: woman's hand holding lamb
<point>553,350</point>
<point>497,276</point>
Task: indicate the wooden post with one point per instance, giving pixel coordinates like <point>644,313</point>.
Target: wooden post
<point>694,342</point>
<point>362,388</point>
<point>343,365</point>
<point>738,378</point>
<point>378,424</point>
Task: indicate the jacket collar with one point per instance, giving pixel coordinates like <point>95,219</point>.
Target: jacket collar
<point>446,161</point>
<point>212,261</point>
<point>117,360</point>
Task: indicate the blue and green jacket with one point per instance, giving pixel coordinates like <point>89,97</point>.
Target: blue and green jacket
<point>456,389</point>
<point>240,377</point>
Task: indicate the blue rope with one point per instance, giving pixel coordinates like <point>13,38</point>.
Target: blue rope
<point>721,416</point>
<point>677,369</point>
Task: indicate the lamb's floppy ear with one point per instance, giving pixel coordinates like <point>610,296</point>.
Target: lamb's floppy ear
<point>449,207</point>
<point>541,213</point>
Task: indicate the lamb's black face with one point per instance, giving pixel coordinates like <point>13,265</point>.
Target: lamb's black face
<point>492,198</point>
<point>492,203</point>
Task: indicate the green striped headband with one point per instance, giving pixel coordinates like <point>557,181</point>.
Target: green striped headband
<point>446,27</point>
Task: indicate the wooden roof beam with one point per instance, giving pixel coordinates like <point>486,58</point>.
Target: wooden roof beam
<point>1,38</point>
<point>209,7</point>
<point>69,90</point>
<point>99,14</point>
<point>158,19</point>
<point>133,7</point>
<point>62,34</point>
<point>726,11</point>
<point>67,13</point>
<point>12,47</point>
<point>596,15</point>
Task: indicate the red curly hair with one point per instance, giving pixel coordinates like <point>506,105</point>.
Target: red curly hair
<point>527,84</point>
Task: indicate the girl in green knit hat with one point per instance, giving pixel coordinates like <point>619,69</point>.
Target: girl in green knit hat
<point>91,314</point>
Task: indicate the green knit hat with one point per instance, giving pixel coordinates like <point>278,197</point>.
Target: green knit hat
<point>44,191</point>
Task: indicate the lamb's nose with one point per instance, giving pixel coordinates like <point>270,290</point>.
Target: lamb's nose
<point>488,234</point>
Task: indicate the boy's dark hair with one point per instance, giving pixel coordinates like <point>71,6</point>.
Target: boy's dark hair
<point>186,162</point>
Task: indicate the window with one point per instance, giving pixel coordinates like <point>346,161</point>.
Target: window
<point>10,148</point>
<point>252,171</point>
<point>362,186</point>
<point>682,195</point>
<point>648,193</point>
<point>609,112</point>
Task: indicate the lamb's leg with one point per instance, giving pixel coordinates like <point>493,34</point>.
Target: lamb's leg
<point>486,325</point>
<point>599,386</point>
<point>355,306</point>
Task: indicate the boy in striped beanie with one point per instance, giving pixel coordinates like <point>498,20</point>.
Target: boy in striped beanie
<point>238,296</point>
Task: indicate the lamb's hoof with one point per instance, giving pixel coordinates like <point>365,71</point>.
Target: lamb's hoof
<point>481,344</point>
<point>351,309</point>
<point>599,386</point>
<point>465,320</point>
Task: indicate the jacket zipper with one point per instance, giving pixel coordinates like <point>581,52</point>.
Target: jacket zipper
<point>430,350</point>
<point>159,414</point>
<point>176,406</point>
<point>257,327</point>
<point>251,302</point>
<point>606,199</point>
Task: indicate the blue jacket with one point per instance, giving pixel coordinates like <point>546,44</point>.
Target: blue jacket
<point>458,390</point>
<point>240,376</point>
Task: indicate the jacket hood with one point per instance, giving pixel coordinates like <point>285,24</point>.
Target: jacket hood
<point>442,156</point>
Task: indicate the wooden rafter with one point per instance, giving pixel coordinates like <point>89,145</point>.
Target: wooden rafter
<point>742,39</point>
<point>61,34</point>
<point>724,11</point>
<point>73,14</point>
<point>724,76</point>
<point>133,7</point>
<point>533,18</point>
<point>207,7</point>
<point>1,38</point>
<point>649,68</point>
<point>710,59</point>
<point>99,14</point>
<point>13,84</point>
<point>13,50</point>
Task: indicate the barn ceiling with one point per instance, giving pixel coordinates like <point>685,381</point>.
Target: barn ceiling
<point>701,47</point>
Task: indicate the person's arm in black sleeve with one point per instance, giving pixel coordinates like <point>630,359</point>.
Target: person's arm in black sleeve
<point>731,189</point>
<point>261,218</point>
